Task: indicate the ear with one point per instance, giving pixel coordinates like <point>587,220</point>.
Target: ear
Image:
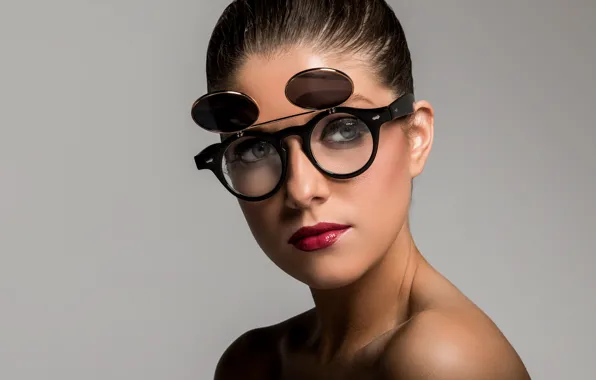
<point>420,134</point>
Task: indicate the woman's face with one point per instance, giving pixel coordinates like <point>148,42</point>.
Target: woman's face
<point>374,205</point>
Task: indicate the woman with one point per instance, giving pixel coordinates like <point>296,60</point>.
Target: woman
<point>321,140</point>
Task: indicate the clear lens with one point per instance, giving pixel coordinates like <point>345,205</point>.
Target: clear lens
<point>252,166</point>
<point>341,144</point>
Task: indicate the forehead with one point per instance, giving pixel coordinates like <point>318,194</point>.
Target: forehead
<point>265,78</point>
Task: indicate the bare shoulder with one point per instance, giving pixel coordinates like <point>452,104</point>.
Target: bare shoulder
<point>251,356</point>
<point>256,354</point>
<point>445,344</point>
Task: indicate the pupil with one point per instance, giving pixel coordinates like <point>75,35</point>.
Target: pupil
<point>260,150</point>
<point>347,131</point>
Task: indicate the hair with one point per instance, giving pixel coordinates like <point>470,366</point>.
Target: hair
<point>364,29</point>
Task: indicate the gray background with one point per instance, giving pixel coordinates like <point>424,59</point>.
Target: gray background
<point>119,261</point>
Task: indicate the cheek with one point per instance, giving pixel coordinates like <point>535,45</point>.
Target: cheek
<point>261,217</point>
<point>388,179</point>
<point>254,213</point>
<point>380,198</point>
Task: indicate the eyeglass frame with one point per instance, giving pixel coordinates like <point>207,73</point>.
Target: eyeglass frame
<point>211,158</point>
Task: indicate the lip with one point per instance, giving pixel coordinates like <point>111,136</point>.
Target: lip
<point>319,236</point>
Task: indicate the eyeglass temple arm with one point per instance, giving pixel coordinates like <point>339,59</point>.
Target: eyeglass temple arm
<point>206,159</point>
<point>403,106</point>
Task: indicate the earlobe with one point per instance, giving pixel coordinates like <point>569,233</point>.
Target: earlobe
<point>421,136</point>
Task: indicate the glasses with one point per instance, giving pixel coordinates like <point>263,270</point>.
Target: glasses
<point>341,142</point>
<point>313,89</point>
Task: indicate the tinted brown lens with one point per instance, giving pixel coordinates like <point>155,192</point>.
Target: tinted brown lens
<point>319,89</point>
<point>225,112</point>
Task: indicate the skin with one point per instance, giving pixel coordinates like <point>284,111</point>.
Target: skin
<point>381,311</point>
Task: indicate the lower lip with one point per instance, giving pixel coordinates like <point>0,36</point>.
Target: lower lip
<point>321,241</point>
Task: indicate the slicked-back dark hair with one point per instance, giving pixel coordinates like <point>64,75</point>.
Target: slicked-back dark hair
<point>368,29</point>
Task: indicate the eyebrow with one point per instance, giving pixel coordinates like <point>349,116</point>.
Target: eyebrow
<point>356,97</point>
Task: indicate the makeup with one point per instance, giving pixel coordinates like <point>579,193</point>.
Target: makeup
<point>319,236</point>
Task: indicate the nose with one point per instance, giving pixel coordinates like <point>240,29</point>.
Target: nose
<point>305,185</point>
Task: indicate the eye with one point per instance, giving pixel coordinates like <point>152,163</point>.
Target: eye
<point>343,130</point>
<point>253,150</point>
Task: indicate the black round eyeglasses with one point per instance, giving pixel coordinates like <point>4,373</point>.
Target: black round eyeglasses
<point>341,142</point>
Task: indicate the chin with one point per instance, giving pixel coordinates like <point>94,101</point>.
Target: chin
<point>327,272</point>
<point>327,283</point>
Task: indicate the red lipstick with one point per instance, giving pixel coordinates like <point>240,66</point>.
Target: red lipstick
<point>317,237</point>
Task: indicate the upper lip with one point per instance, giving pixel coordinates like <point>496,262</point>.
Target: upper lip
<point>317,229</point>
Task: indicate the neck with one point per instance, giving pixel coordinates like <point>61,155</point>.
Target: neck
<point>351,317</point>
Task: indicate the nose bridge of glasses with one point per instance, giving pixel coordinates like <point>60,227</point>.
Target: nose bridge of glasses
<point>299,163</point>
<point>301,131</point>
<point>280,137</point>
